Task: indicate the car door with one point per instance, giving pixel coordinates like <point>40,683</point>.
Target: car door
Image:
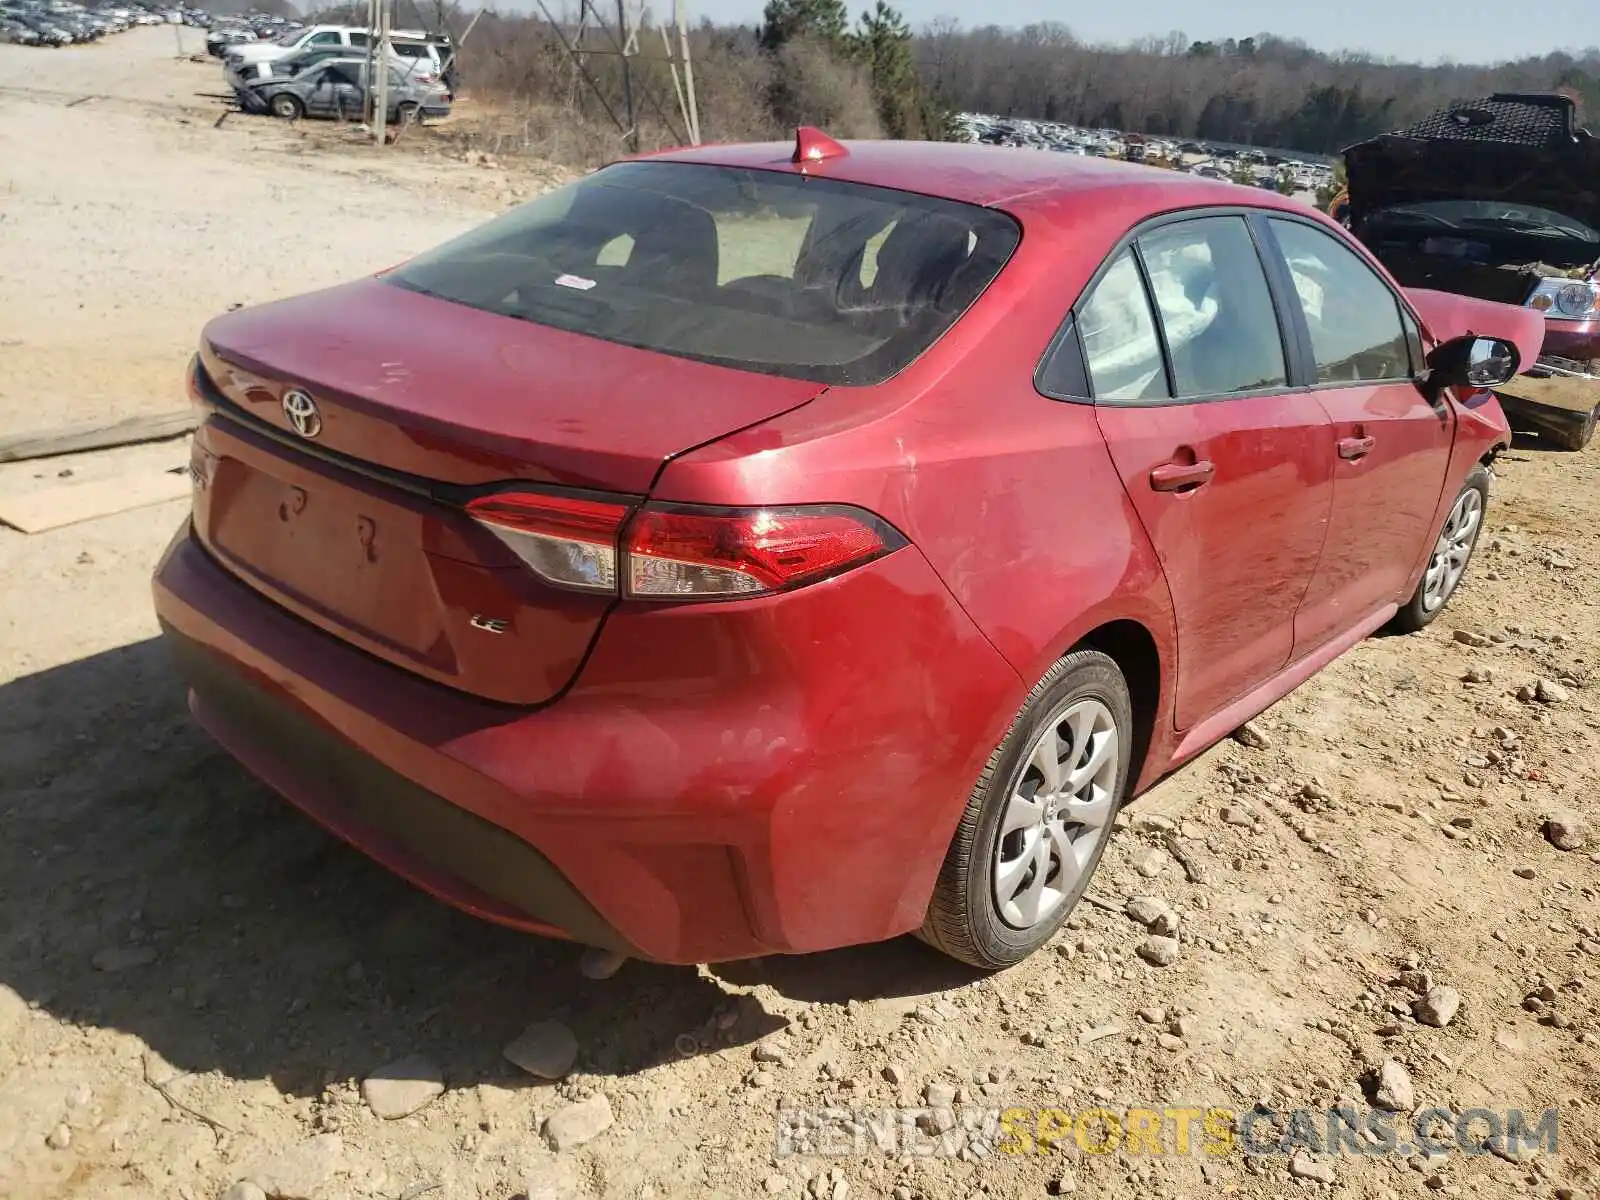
<point>1392,442</point>
<point>1229,470</point>
<point>345,96</point>
<point>315,87</point>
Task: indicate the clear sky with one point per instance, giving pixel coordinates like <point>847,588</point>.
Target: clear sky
<point>1412,30</point>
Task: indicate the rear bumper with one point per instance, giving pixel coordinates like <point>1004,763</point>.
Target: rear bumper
<point>438,845</point>
<point>721,781</point>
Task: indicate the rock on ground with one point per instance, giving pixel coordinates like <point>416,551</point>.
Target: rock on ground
<point>1303,1166</point>
<point>578,1123</point>
<point>1393,1089</point>
<point>1437,1007</point>
<point>1547,691</point>
<point>545,1048</point>
<point>1159,951</point>
<point>300,1171</point>
<point>243,1190</point>
<point>1254,735</point>
<point>1566,832</point>
<point>402,1087</point>
<point>1144,909</point>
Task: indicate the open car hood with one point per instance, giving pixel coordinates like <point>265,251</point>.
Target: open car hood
<point>1523,148</point>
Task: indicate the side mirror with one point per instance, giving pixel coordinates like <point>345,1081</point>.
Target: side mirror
<point>1471,361</point>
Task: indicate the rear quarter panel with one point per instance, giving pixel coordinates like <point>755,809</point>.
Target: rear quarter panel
<point>1012,497</point>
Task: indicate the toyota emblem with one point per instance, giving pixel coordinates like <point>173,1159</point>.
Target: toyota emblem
<point>302,412</point>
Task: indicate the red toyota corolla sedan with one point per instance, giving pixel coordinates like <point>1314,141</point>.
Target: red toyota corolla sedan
<point>746,550</point>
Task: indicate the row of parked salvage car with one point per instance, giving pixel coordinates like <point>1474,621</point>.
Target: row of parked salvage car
<point>63,23</point>
<point>322,71</point>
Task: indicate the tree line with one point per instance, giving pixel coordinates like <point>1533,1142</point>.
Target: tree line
<point>806,62</point>
<point>1262,90</point>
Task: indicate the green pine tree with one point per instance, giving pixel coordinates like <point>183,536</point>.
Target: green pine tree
<point>882,43</point>
<point>824,21</point>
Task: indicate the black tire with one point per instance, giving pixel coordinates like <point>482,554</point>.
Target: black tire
<point>288,106</point>
<point>408,114</point>
<point>1421,610</point>
<point>1577,437</point>
<point>963,918</point>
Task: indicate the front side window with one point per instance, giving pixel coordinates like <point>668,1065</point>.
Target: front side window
<point>1120,343</point>
<point>324,39</point>
<point>1357,334</point>
<point>1215,307</point>
<point>760,270</point>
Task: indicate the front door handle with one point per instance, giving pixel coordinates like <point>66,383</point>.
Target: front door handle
<point>1182,477</point>
<point>1352,448</point>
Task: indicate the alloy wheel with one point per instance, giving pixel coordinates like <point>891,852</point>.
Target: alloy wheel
<point>1451,551</point>
<point>1056,814</point>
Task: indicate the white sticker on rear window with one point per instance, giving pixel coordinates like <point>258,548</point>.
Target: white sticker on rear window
<point>575,281</point>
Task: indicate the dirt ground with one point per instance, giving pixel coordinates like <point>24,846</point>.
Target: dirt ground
<point>194,982</point>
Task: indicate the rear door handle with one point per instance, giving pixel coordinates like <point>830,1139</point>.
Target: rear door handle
<point>1352,448</point>
<point>1182,477</point>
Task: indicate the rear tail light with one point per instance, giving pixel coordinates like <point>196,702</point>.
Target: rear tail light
<point>567,541</point>
<point>680,552</point>
<point>694,553</point>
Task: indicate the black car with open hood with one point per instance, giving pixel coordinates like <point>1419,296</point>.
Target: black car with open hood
<point>1498,198</point>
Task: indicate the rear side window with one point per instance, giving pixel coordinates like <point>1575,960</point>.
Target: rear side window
<point>1216,310</point>
<point>1120,342</point>
<point>759,270</point>
<point>1357,333</point>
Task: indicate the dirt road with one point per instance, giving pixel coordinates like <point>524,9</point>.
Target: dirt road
<point>194,983</point>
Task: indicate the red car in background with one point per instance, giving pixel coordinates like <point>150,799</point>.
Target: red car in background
<point>1496,198</point>
<point>742,551</point>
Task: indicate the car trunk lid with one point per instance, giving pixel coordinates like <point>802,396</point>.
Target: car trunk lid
<point>356,521</point>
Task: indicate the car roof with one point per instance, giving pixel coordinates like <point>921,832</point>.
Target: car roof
<point>1018,180</point>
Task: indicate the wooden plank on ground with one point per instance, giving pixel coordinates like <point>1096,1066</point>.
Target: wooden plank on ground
<point>69,503</point>
<point>96,435</point>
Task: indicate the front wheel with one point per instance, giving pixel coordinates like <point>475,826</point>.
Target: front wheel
<point>1038,821</point>
<point>287,105</point>
<point>1452,551</point>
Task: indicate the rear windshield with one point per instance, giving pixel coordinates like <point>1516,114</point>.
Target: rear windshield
<point>761,270</point>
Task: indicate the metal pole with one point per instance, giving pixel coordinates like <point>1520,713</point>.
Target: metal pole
<point>371,56</point>
<point>692,119</point>
<point>379,84</point>
<point>627,77</point>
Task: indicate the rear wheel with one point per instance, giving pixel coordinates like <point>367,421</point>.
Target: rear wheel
<point>1578,436</point>
<point>1452,551</point>
<point>288,106</point>
<point>408,114</point>
<point>1037,823</point>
